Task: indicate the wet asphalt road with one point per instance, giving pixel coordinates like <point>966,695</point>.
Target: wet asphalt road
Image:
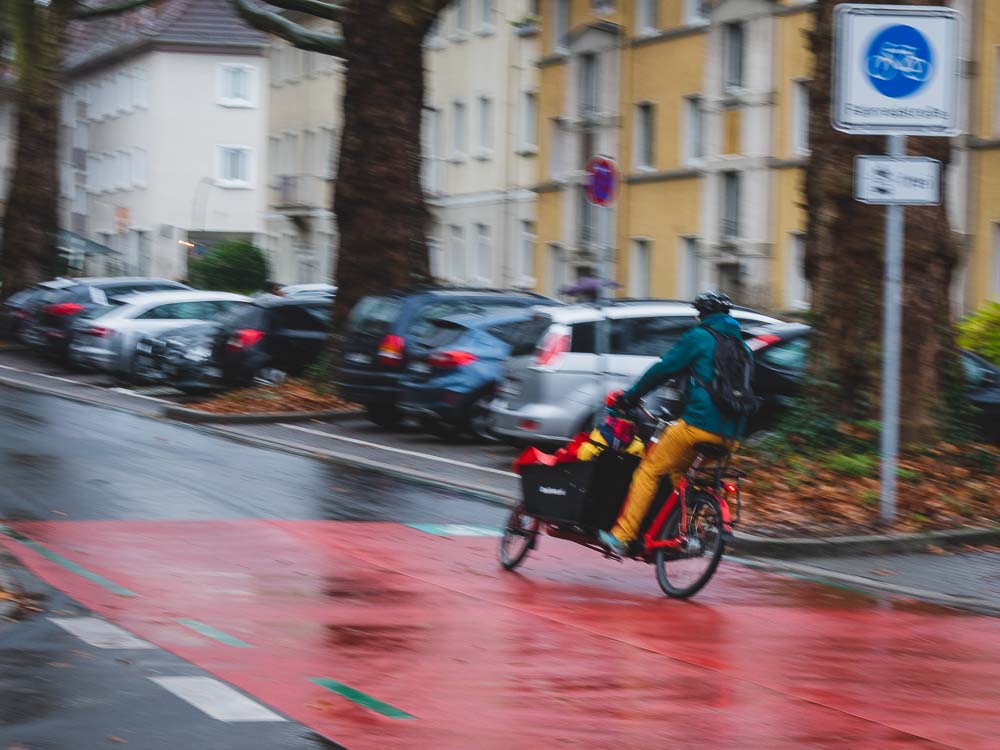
<point>66,461</point>
<point>61,461</point>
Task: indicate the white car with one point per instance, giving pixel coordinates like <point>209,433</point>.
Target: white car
<point>108,340</point>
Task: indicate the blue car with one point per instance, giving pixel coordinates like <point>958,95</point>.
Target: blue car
<point>456,364</point>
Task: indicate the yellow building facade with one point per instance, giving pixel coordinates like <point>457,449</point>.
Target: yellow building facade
<point>704,108</point>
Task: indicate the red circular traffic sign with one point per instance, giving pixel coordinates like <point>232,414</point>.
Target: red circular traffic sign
<point>602,181</point>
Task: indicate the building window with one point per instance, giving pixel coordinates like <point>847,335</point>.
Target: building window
<point>689,270</point>
<point>436,254</point>
<point>458,130</point>
<point>484,255</point>
<point>107,97</point>
<point>800,117</point>
<point>139,167</point>
<point>526,257</point>
<point>645,129</point>
<point>124,177</point>
<point>556,149</point>
<point>462,16</point>
<point>329,152</point>
<point>81,136</point>
<point>236,85</point>
<point>645,21</point>
<point>589,84</point>
<point>108,172</point>
<point>457,254</point>
<point>797,287</point>
<point>694,12</point>
<point>139,91</point>
<point>557,269</point>
<point>93,172</point>
<point>486,11</point>
<point>123,92</point>
<point>529,121</point>
<point>485,126</point>
<point>730,205</point>
<point>235,166</point>
<point>560,23</point>
<point>639,269</point>
<point>733,58</point>
<point>694,129</point>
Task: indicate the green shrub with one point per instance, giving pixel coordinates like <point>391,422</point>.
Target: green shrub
<point>234,266</point>
<point>980,332</point>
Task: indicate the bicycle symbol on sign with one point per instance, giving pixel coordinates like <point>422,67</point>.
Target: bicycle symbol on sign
<point>898,59</point>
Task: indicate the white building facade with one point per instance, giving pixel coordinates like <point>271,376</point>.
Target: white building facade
<point>164,136</point>
<point>304,124</point>
<point>481,142</point>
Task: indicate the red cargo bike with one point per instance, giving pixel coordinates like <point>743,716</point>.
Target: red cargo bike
<point>684,534</point>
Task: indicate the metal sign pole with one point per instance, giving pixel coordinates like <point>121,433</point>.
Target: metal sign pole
<point>891,338</point>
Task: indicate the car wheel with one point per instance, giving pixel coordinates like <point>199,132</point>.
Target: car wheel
<point>479,419</point>
<point>385,416</point>
<point>438,428</point>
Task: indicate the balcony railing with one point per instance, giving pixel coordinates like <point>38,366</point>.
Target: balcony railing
<point>300,191</point>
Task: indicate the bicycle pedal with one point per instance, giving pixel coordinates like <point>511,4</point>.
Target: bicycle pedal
<point>612,555</point>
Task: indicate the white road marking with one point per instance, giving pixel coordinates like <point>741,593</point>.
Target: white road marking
<point>44,375</point>
<point>99,633</point>
<point>390,449</point>
<point>216,699</point>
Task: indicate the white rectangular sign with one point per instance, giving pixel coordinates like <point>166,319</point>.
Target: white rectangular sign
<point>896,69</point>
<point>904,181</point>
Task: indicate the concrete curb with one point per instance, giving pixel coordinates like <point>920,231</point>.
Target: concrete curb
<point>870,585</point>
<point>183,414</point>
<point>845,546</point>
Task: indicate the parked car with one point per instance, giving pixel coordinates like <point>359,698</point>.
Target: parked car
<point>16,310</point>
<point>781,353</point>
<point>456,364</point>
<point>268,339</point>
<point>381,329</point>
<point>555,392</point>
<point>105,338</point>
<point>53,321</point>
<point>329,291</point>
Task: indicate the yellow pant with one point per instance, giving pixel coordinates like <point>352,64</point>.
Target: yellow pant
<point>672,456</point>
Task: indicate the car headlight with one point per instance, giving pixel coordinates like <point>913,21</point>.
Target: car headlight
<point>198,353</point>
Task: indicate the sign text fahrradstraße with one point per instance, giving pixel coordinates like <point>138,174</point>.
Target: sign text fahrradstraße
<point>896,70</point>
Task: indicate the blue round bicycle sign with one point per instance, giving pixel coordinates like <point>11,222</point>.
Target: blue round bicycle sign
<point>899,61</point>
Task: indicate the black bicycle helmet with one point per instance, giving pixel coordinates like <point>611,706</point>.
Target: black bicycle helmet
<point>707,303</point>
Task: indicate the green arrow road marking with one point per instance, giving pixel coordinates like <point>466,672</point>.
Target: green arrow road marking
<point>360,698</point>
<point>210,632</point>
<point>68,564</point>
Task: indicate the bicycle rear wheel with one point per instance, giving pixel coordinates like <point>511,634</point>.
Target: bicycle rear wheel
<point>682,573</point>
<point>519,536</point>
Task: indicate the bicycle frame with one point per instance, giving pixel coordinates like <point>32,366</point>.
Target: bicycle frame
<point>679,497</point>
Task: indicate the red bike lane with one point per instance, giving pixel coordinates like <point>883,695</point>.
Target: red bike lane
<point>379,635</point>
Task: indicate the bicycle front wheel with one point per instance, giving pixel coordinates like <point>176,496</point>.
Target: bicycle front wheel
<point>683,572</point>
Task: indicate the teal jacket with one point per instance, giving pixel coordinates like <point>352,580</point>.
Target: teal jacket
<point>695,352</point>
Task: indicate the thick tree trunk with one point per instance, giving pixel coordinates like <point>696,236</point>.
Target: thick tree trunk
<point>844,263</point>
<point>379,201</point>
<point>29,253</point>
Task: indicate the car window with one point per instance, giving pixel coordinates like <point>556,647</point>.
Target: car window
<point>584,338</point>
<point>295,318</point>
<point>441,333</point>
<point>219,308</point>
<point>180,311</point>
<point>521,335</point>
<point>790,355</point>
<point>648,336</point>
<point>420,326</point>
<point>18,297</point>
<point>373,316</point>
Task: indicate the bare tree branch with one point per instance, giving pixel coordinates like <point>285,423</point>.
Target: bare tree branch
<point>318,8</point>
<point>86,12</point>
<point>326,43</point>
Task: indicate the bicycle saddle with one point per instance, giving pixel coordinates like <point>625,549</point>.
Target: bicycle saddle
<point>711,451</point>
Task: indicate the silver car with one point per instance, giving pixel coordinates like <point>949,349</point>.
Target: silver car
<point>551,395</point>
<point>108,340</point>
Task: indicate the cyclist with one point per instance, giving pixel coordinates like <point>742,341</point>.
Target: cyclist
<point>700,422</point>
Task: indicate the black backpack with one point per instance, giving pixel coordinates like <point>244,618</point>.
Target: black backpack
<point>731,389</point>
